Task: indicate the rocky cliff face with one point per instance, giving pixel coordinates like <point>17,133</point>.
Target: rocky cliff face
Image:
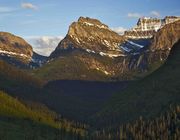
<point>14,46</point>
<point>92,36</point>
<point>147,27</point>
<point>166,37</point>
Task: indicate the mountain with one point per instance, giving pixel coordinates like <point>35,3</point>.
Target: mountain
<point>14,46</point>
<point>147,97</point>
<point>92,36</point>
<point>16,51</point>
<point>146,27</point>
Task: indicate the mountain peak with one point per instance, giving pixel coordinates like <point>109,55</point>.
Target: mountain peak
<point>86,23</point>
<point>91,22</point>
<point>93,36</point>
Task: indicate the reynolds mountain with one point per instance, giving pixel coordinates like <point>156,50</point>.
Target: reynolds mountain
<point>92,36</point>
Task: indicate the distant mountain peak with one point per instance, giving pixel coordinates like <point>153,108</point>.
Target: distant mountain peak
<point>147,26</point>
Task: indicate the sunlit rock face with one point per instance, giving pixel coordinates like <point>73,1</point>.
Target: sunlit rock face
<point>165,38</point>
<point>93,36</point>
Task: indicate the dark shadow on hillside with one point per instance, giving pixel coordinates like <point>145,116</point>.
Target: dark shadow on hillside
<point>79,99</point>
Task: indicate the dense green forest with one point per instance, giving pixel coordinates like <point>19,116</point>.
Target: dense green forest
<point>164,127</point>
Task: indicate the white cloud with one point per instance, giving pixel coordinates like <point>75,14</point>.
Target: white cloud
<point>29,6</point>
<point>134,15</point>
<point>44,45</point>
<point>155,13</point>
<point>119,30</point>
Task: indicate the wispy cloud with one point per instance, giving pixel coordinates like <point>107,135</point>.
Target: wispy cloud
<point>119,30</point>
<point>134,15</point>
<point>44,45</point>
<point>138,15</point>
<point>155,14</point>
<point>29,6</point>
<point>6,9</point>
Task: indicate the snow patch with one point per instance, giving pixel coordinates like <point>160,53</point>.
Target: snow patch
<point>77,40</point>
<point>125,48</point>
<point>111,55</point>
<point>107,43</point>
<point>104,71</point>
<point>107,73</point>
<point>140,46</point>
<point>139,37</point>
<point>99,26</point>
<point>90,51</point>
<point>9,53</point>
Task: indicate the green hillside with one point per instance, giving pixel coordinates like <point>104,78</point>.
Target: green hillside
<point>147,97</point>
<point>21,129</point>
<point>34,114</point>
<point>71,66</point>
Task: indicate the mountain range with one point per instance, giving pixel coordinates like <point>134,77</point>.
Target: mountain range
<point>96,84</point>
<point>108,56</point>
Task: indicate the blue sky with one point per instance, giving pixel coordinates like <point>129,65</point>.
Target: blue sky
<point>28,18</point>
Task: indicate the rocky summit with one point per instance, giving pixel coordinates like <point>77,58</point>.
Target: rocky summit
<point>92,36</point>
